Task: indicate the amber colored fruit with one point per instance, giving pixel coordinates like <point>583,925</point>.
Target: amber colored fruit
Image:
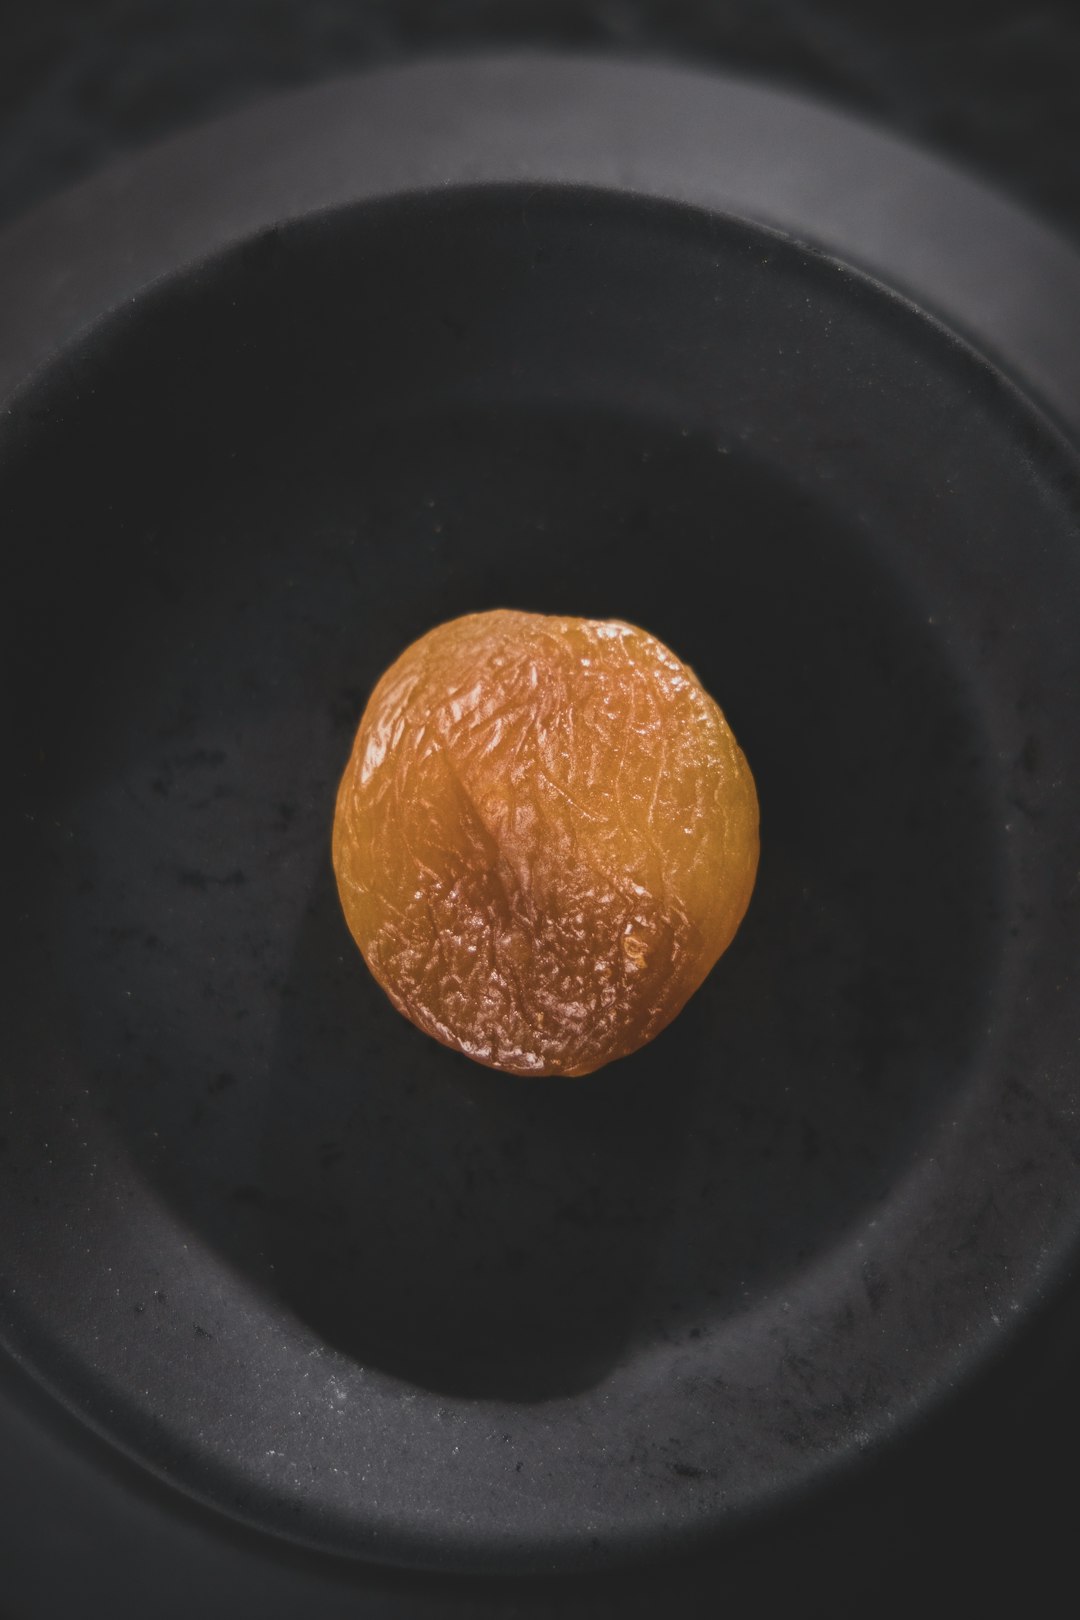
<point>545,836</point>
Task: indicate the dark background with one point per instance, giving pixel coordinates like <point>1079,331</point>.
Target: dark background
<point>977,1515</point>
<point>995,85</point>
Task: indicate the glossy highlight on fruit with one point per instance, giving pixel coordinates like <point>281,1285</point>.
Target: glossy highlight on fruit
<point>545,836</point>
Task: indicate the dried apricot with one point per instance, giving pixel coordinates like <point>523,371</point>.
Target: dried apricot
<point>545,837</point>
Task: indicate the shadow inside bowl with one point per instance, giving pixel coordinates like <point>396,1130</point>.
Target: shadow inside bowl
<point>472,1232</point>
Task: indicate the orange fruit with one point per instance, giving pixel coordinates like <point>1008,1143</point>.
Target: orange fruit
<point>545,836</point>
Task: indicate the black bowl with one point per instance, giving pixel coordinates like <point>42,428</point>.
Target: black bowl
<point>270,1240</point>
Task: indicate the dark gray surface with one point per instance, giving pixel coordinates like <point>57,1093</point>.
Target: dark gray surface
<point>987,267</point>
<point>991,83</point>
<point>888,1524</point>
<point>312,1265</point>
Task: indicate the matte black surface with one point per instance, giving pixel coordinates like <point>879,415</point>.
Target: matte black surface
<point>312,1266</point>
<point>970,1502</point>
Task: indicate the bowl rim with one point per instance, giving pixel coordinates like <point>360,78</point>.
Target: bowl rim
<point>121,231</point>
<point>987,268</point>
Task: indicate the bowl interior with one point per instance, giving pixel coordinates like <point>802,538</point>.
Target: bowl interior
<point>269,1238</point>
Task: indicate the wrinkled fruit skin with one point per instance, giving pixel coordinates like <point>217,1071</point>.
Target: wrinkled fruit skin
<point>545,837</point>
